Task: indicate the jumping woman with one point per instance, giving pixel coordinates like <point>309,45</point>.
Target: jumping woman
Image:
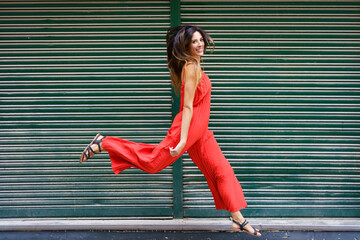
<point>188,132</point>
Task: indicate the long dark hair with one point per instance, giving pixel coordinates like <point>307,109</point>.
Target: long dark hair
<point>178,40</point>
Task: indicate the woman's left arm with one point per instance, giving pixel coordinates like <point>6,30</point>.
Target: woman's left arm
<point>189,93</point>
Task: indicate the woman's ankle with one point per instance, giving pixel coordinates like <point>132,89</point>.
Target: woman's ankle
<point>237,216</point>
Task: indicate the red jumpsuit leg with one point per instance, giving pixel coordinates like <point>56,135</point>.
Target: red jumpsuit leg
<point>148,157</point>
<point>125,154</point>
<point>224,186</point>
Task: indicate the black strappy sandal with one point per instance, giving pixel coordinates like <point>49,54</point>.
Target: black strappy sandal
<point>88,148</point>
<point>242,225</point>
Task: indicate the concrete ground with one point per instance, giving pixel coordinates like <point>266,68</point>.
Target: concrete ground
<point>194,229</point>
<point>176,235</point>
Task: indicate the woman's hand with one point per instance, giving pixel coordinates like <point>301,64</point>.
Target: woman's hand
<point>177,150</point>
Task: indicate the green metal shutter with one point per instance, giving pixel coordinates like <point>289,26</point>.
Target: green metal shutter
<point>70,69</point>
<point>285,105</point>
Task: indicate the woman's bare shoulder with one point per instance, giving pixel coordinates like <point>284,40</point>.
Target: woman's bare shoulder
<point>189,67</point>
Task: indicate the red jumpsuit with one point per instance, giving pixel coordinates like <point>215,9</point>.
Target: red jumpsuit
<point>201,147</point>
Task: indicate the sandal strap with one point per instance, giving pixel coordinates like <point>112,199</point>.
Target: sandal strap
<point>87,152</point>
<point>98,141</point>
<point>88,148</point>
<point>241,225</point>
<point>255,232</point>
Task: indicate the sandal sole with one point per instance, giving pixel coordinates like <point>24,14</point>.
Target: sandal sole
<point>246,231</point>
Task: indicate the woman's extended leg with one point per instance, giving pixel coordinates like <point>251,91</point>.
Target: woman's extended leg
<point>125,154</point>
<point>150,158</point>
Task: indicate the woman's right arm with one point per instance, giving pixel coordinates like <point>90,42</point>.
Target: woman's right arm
<point>189,93</point>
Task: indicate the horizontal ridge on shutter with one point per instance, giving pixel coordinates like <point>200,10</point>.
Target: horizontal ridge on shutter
<point>71,69</point>
<point>285,105</point>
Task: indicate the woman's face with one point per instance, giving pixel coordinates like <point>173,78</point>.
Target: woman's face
<point>196,47</point>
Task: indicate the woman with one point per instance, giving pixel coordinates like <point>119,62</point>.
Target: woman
<point>188,132</point>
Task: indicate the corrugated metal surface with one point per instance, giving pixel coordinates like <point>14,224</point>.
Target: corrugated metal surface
<point>285,105</point>
<point>70,69</point>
